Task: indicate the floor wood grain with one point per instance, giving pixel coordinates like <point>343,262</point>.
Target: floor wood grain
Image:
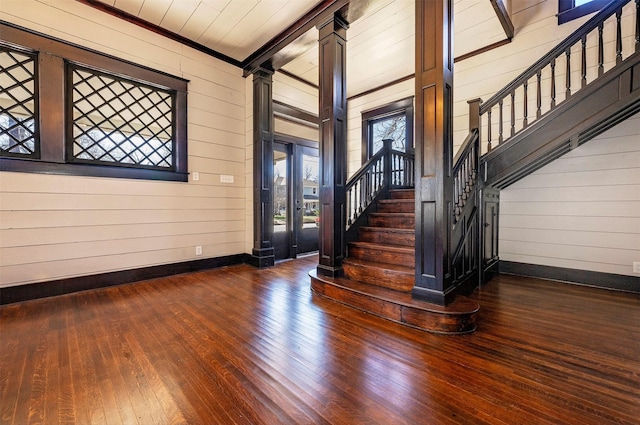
<point>237,345</point>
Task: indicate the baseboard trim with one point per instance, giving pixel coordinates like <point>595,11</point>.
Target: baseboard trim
<point>14,294</point>
<point>616,282</point>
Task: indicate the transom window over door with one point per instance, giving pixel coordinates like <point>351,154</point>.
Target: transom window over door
<point>392,121</point>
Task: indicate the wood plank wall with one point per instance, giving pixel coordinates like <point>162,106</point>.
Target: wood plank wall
<point>583,210</point>
<point>54,227</point>
<point>299,95</point>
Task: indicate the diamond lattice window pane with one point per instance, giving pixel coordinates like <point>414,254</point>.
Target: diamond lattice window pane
<point>120,121</point>
<point>18,106</point>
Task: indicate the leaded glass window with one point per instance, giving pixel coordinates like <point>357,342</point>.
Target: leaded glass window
<point>18,104</point>
<point>121,121</point>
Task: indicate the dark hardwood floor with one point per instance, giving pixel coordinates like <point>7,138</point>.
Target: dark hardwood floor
<point>238,345</point>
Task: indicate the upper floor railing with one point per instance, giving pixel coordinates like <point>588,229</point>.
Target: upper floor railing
<point>604,41</point>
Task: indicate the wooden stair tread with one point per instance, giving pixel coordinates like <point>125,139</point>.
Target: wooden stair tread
<point>459,317</point>
<point>396,268</point>
<point>402,193</point>
<point>393,248</point>
<point>393,214</point>
<point>386,229</point>
<point>397,201</point>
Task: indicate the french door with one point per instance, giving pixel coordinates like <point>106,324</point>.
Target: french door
<point>295,199</point>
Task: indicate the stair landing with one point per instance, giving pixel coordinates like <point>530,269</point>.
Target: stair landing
<point>458,317</point>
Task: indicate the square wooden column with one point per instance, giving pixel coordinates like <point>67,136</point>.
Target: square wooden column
<point>333,144</point>
<point>262,253</point>
<point>434,145</point>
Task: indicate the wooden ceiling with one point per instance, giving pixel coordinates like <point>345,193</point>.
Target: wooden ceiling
<point>380,44</point>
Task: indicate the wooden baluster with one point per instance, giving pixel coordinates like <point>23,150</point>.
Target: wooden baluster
<point>538,94</point>
<point>525,121</point>
<point>600,51</point>
<point>583,70</point>
<point>568,79</point>
<point>348,206</point>
<point>513,113</point>
<point>500,119</point>
<point>553,83</point>
<point>637,26</point>
<point>618,36</point>
<point>489,130</point>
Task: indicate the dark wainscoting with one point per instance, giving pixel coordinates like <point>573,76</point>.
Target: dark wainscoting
<point>617,282</point>
<point>13,294</point>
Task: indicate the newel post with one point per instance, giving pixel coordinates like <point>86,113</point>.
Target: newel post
<point>474,114</point>
<point>387,165</point>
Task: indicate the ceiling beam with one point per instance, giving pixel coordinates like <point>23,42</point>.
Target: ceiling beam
<point>503,17</point>
<point>308,21</point>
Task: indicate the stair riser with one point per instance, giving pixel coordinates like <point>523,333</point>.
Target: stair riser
<point>382,256</point>
<point>402,194</point>
<point>396,207</point>
<point>388,237</point>
<point>401,222</point>
<point>380,277</point>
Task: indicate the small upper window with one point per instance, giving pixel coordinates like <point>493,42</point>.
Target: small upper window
<point>569,10</point>
<point>393,121</point>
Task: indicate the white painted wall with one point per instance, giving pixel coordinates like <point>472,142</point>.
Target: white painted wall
<point>299,95</point>
<point>55,227</point>
<point>583,210</point>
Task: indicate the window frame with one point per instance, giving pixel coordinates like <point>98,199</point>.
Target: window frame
<point>402,106</point>
<point>53,55</point>
<point>568,11</point>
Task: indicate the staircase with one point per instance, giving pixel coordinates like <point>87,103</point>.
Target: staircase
<point>384,254</point>
<point>379,272</point>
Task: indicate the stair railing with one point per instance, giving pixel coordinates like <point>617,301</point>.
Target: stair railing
<point>465,254</point>
<point>513,101</point>
<point>385,170</point>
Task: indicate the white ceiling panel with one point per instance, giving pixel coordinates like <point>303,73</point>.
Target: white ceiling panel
<point>380,42</point>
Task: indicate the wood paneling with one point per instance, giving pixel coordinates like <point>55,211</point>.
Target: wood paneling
<point>241,346</point>
<point>581,211</point>
<point>62,226</point>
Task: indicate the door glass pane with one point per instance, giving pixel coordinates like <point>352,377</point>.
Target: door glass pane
<point>309,191</point>
<point>394,127</point>
<point>280,192</point>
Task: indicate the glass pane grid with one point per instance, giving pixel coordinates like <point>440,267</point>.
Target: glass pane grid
<point>394,128</point>
<point>18,104</point>
<point>121,121</point>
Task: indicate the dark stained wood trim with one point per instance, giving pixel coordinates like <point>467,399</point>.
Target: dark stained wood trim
<point>333,137</point>
<point>383,86</point>
<point>14,294</point>
<point>318,14</point>
<point>263,132</point>
<point>295,115</point>
<point>159,30</point>
<point>482,50</point>
<point>434,145</point>
<point>503,16</point>
<point>300,79</point>
<point>581,277</point>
